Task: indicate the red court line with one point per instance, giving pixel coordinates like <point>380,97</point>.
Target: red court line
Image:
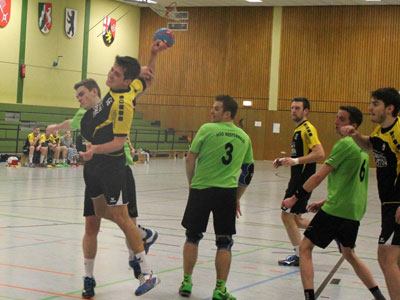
<point>276,271</point>
<point>39,291</point>
<point>250,268</point>
<point>177,258</point>
<point>35,269</point>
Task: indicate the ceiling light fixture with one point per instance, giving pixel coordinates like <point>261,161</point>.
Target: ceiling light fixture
<point>254,0</point>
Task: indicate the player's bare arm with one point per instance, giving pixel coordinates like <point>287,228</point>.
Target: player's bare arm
<point>361,140</point>
<point>190,165</point>
<point>317,153</point>
<point>312,182</point>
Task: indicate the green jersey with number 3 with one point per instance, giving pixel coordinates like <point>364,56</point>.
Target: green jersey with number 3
<point>222,148</point>
<point>348,183</point>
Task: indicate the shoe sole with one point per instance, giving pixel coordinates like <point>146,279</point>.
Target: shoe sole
<point>185,293</point>
<point>142,293</point>
<point>287,264</point>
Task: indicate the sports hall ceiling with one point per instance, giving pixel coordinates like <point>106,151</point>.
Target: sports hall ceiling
<point>204,3</point>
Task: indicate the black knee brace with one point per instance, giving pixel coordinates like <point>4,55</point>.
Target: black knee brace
<point>224,242</point>
<point>193,237</point>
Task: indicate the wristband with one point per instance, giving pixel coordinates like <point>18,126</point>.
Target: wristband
<point>296,161</point>
<point>300,193</point>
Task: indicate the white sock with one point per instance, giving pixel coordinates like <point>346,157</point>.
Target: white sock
<point>41,159</point>
<point>30,158</point>
<point>56,161</point>
<point>131,253</point>
<point>296,250</point>
<point>141,257</point>
<point>63,161</point>
<point>142,231</point>
<point>89,266</point>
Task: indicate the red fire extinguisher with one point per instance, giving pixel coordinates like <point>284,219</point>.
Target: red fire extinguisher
<point>23,70</point>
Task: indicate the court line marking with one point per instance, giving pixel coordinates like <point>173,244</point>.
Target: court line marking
<point>171,269</point>
<point>39,291</point>
<point>260,282</point>
<point>36,269</point>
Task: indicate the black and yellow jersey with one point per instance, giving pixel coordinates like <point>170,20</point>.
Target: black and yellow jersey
<point>386,149</point>
<point>112,116</point>
<point>305,137</point>
<point>46,139</point>
<point>55,139</point>
<point>32,138</point>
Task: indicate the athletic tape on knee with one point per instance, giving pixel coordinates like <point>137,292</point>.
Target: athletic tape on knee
<point>224,242</point>
<point>193,237</point>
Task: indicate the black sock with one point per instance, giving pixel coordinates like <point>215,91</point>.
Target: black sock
<point>377,293</point>
<point>309,294</point>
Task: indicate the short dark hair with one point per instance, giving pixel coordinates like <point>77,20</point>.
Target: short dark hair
<point>131,66</point>
<point>88,83</point>
<point>36,126</point>
<point>389,96</point>
<point>228,104</point>
<point>306,103</point>
<point>356,115</point>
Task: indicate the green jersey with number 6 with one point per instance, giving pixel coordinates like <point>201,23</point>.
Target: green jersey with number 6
<point>222,148</point>
<point>348,183</point>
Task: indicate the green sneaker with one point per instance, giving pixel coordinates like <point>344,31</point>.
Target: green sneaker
<point>186,289</point>
<point>220,295</point>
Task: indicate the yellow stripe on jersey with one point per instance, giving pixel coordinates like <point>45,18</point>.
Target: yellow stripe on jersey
<point>122,110</point>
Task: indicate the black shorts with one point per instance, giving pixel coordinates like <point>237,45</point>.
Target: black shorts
<point>88,208</point>
<point>390,230</point>
<point>301,205</point>
<point>107,176</point>
<point>325,227</point>
<point>220,201</point>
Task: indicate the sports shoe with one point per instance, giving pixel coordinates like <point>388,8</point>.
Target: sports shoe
<point>147,282</point>
<point>65,165</point>
<point>135,265</point>
<point>220,295</point>
<point>150,239</point>
<point>185,289</point>
<point>88,287</point>
<point>291,260</point>
<point>31,165</point>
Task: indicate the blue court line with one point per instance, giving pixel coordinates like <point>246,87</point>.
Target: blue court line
<point>261,282</point>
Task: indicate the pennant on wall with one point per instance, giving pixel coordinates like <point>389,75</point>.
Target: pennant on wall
<point>5,9</point>
<point>109,25</point>
<point>45,17</point>
<point>71,16</point>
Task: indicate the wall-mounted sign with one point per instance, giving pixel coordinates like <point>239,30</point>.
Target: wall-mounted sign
<point>109,25</point>
<point>71,16</point>
<point>5,9</point>
<point>45,17</point>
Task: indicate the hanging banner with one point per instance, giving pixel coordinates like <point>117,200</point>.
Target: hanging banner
<point>71,16</point>
<point>45,17</point>
<point>109,25</point>
<point>5,9</point>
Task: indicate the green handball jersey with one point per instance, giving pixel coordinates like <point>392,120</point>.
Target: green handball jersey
<point>222,148</point>
<point>76,120</point>
<point>348,183</point>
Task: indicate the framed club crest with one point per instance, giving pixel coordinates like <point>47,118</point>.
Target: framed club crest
<point>71,16</point>
<point>5,10</point>
<point>45,17</point>
<point>109,25</point>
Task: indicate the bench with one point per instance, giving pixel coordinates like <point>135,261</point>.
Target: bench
<point>171,153</point>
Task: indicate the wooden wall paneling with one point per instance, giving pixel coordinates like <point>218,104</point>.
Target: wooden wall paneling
<point>337,55</point>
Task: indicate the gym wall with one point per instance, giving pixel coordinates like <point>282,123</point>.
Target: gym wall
<point>332,55</point>
<point>48,85</point>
